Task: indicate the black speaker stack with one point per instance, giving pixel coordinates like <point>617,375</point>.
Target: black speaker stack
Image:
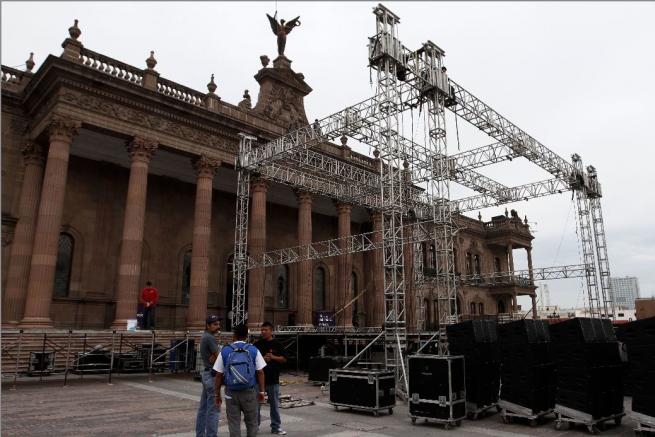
<point>527,372</point>
<point>363,389</point>
<point>589,368</point>
<point>437,388</point>
<point>639,337</point>
<point>477,341</point>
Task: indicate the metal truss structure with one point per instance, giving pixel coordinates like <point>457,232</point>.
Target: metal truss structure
<point>409,183</point>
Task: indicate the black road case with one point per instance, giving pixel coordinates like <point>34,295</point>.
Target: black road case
<point>363,389</point>
<point>437,389</point>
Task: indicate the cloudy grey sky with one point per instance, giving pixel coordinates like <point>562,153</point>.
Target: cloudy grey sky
<point>576,76</point>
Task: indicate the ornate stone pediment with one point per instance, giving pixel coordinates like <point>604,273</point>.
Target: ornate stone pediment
<point>281,94</point>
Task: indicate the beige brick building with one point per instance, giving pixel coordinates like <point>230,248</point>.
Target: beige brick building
<point>111,175</point>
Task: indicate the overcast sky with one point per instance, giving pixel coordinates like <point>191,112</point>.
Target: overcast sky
<point>576,76</point>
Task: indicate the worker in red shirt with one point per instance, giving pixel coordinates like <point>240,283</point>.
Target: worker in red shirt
<point>149,298</point>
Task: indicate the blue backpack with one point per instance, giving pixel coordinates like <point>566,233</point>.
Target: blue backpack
<point>239,364</point>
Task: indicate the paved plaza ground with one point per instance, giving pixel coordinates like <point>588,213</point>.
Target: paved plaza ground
<point>166,407</point>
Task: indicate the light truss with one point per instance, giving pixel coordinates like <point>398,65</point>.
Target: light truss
<point>410,185</point>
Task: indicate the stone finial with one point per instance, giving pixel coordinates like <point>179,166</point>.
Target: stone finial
<point>405,164</point>
<point>526,220</point>
<point>506,213</point>
<point>211,86</point>
<point>264,60</point>
<point>376,153</point>
<point>74,31</point>
<point>151,61</point>
<point>29,64</point>
<point>344,140</point>
<point>479,216</point>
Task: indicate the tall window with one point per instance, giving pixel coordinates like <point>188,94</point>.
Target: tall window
<point>455,263</point>
<point>480,308</point>
<point>472,308</point>
<point>64,265</point>
<point>353,293</point>
<point>186,276</point>
<point>478,269</point>
<point>319,289</point>
<point>501,306</point>
<point>469,267</point>
<point>433,257</point>
<point>282,285</point>
<point>497,265</point>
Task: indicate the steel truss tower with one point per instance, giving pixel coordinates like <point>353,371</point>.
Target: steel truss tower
<point>411,188</point>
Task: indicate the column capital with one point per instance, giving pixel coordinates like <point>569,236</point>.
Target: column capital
<point>205,166</point>
<point>343,207</point>
<point>33,153</point>
<point>303,196</point>
<point>375,214</point>
<point>258,184</point>
<point>62,128</point>
<point>141,148</point>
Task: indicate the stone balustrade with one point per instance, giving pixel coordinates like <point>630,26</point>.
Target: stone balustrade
<point>180,92</point>
<point>110,66</point>
<point>11,75</point>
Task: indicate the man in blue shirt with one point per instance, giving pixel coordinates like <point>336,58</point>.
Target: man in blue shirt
<point>207,418</point>
<point>241,366</point>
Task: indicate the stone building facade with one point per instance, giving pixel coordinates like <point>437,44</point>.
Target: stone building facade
<point>113,175</point>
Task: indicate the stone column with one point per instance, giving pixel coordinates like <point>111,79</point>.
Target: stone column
<point>18,271</point>
<point>257,246</point>
<point>305,290</point>
<point>344,268</point>
<point>510,258</point>
<point>48,224</point>
<point>410,298</point>
<point>531,274</point>
<point>129,264</point>
<point>376,295</point>
<point>205,168</point>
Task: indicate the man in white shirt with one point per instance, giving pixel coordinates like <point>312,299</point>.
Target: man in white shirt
<point>240,365</point>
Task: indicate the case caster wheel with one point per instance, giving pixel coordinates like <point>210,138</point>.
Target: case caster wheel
<point>390,410</point>
<point>533,422</point>
<point>593,430</point>
<point>498,409</point>
<point>413,420</point>
<point>458,423</point>
<point>558,425</point>
<point>375,413</point>
<point>336,408</point>
<point>446,426</point>
<point>504,419</point>
<point>617,421</point>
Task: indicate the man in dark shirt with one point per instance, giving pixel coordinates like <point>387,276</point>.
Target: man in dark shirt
<point>274,355</point>
<point>207,418</point>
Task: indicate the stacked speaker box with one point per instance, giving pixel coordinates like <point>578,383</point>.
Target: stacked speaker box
<point>639,337</point>
<point>437,387</point>
<point>589,367</point>
<point>477,341</point>
<point>363,389</point>
<point>527,372</point>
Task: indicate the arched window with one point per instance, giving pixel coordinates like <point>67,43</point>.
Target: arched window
<point>319,289</point>
<point>501,306</point>
<point>481,308</point>
<point>473,306</point>
<point>186,276</point>
<point>282,286</point>
<point>469,267</point>
<point>478,269</point>
<point>353,293</point>
<point>64,265</point>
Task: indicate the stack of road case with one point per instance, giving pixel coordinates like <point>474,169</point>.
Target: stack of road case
<point>477,340</point>
<point>589,372</point>
<point>363,389</point>
<point>639,337</point>
<point>437,389</point>
<point>527,387</point>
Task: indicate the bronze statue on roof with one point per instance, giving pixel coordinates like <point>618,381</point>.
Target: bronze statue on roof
<point>281,30</point>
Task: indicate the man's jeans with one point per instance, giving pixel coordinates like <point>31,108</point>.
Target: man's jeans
<point>207,418</point>
<point>273,392</point>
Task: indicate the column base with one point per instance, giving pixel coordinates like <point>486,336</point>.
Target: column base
<point>36,322</point>
<point>10,324</point>
<point>196,327</point>
<point>119,325</point>
<point>254,325</point>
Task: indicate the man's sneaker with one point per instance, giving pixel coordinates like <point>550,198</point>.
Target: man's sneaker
<point>279,432</point>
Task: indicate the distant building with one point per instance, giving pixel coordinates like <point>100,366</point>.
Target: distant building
<point>625,291</point>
